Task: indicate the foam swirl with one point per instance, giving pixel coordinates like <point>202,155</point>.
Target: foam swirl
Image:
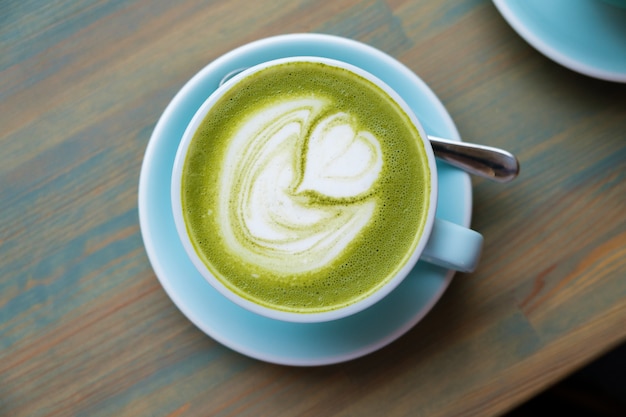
<point>297,185</point>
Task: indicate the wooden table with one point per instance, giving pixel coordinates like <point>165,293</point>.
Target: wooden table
<point>86,328</point>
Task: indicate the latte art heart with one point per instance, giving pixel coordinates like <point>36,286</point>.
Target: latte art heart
<point>340,161</point>
<point>295,185</point>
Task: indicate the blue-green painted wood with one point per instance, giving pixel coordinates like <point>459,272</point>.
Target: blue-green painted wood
<point>87,330</point>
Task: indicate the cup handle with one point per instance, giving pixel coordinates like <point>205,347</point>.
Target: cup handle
<point>453,246</point>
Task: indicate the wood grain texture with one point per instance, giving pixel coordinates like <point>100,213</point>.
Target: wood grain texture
<point>85,327</point>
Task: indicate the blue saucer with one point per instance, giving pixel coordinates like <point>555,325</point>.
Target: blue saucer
<point>259,337</point>
<point>587,36</point>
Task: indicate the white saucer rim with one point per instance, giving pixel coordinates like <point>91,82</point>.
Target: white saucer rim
<point>539,43</point>
<point>191,315</point>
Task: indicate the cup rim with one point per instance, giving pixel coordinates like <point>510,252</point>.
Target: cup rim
<point>312,317</point>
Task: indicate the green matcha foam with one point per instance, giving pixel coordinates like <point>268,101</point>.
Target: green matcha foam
<point>304,187</point>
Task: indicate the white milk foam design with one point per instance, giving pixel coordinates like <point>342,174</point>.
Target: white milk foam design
<point>297,185</point>
<point>340,162</point>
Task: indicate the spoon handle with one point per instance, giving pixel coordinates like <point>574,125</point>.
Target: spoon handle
<point>484,161</point>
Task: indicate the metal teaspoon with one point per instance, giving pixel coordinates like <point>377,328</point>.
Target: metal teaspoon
<point>483,161</point>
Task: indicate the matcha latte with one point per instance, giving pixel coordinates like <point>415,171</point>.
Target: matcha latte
<point>305,187</point>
